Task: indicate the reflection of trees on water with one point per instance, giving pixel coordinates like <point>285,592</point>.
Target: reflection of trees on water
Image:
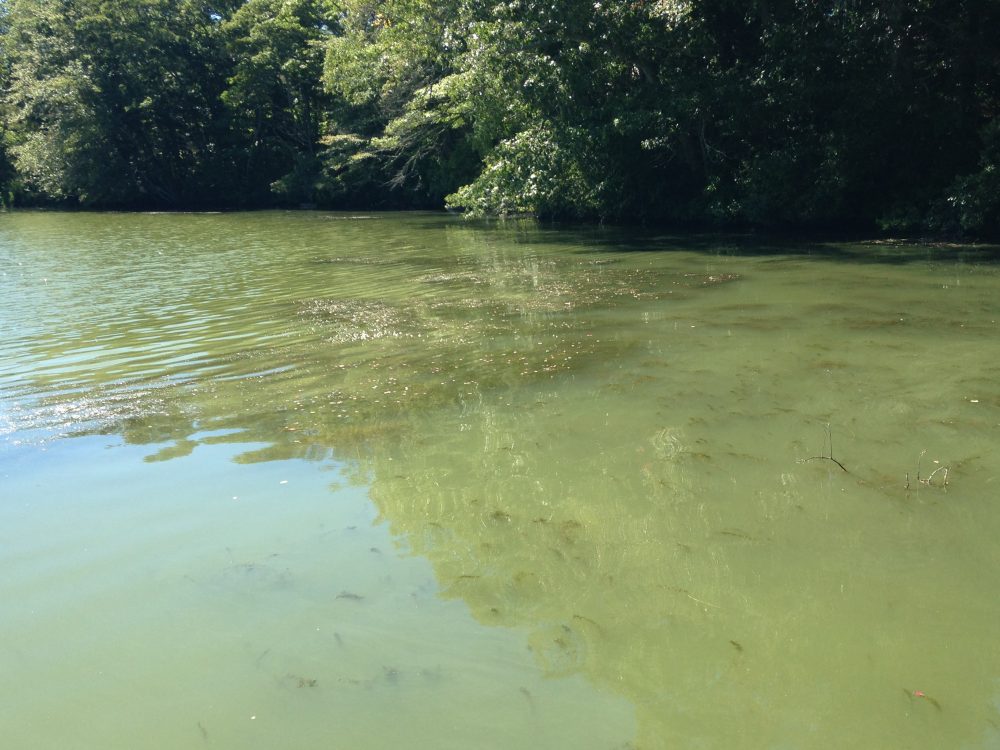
<point>633,504</point>
<point>682,575</point>
<point>538,516</point>
<point>347,371</point>
<point>472,396</point>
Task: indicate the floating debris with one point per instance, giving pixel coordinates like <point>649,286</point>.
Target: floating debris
<point>911,694</point>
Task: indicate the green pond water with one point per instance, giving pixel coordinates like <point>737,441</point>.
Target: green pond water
<point>310,480</point>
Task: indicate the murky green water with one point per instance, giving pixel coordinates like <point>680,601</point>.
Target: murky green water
<point>334,481</point>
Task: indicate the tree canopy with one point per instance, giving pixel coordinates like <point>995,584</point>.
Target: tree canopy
<point>776,113</point>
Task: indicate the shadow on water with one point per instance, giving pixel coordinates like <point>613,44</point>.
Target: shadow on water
<point>854,250</point>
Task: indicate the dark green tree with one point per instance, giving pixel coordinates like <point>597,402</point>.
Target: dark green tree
<point>116,102</point>
<point>400,121</point>
<point>596,110</point>
<point>7,175</point>
<point>275,95</point>
<point>775,113</point>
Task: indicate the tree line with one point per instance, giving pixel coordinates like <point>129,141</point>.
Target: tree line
<point>869,114</point>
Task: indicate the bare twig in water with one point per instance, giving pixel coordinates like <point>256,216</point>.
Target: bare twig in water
<point>930,479</point>
<point>829,438</point>
<point>944,479</point>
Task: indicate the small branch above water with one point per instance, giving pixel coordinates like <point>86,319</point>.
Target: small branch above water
<point>829,440</point>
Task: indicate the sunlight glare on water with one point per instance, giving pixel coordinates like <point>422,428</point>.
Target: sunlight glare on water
<point>324,480</point>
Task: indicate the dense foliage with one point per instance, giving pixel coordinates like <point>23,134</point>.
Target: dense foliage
<point>797,113</point>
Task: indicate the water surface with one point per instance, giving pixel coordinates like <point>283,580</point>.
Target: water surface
<point>330,480</point>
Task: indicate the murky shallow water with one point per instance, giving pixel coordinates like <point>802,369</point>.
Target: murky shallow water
<point>324,480</point>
